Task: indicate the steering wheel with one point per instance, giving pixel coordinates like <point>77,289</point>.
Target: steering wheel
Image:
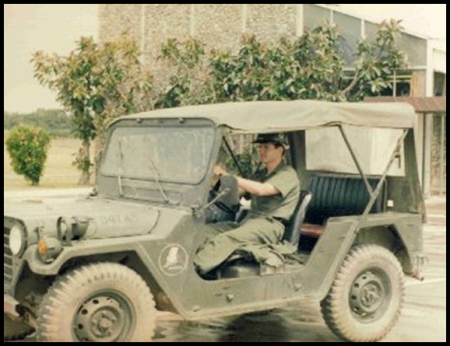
<point>226,206</point>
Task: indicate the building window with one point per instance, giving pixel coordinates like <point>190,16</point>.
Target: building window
<point>439,84</point>
<point>401,86</point>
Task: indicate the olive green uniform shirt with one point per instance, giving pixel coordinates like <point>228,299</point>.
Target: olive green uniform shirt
<point>284,179</point>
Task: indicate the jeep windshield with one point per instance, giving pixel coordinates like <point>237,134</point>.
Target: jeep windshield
<point>156,158</point>
<point>149,153</point>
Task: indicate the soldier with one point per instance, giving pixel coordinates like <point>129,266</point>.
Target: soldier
<point>274,195</point>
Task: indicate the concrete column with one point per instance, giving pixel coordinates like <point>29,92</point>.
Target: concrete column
<point>426,175</point>
<point>299,20</point>
<point>442,187</point>
<point>192,21</point>
<point>244,18</point>
<point>363,28</point>
<point>428,128</point>
<point>142,45</point>
<point>419,131</point>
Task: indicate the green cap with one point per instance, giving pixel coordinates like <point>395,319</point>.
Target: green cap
<point>275,138</point>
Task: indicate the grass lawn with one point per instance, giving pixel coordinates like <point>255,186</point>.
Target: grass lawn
<point>58,172</point>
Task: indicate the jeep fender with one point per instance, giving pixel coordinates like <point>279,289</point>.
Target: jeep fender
<point>340,235</point>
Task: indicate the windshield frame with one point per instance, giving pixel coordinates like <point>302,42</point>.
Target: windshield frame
<point>148,188</point>
<point>110,165</point>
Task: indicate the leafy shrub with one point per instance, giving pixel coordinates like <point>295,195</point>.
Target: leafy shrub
<point>28,146</point>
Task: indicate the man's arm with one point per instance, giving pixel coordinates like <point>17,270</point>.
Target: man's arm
<point>246,185</point>
<point>256,188</point>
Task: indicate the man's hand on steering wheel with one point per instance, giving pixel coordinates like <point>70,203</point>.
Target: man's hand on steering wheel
<point>229,202</point>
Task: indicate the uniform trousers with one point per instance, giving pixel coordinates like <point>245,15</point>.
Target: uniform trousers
<point>227,237</point>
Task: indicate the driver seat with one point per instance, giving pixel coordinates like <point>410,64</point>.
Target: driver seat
<point>292,231</point>
<point>240,264</point>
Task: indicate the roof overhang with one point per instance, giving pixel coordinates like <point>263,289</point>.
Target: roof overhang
<point>436,104</point>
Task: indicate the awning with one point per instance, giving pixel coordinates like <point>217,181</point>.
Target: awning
<point>436,104</point>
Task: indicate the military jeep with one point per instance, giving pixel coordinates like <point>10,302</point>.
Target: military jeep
<point>99,268</point>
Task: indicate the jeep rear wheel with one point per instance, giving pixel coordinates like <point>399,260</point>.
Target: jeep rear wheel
<point>99,302</point>
<point>365,300</point>
<point>15,329</point>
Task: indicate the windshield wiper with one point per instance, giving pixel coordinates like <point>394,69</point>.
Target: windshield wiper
<point>156,178</point>
<point>119,174</point>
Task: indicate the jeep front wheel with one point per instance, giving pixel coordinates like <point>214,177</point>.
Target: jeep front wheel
<point>365,299</point>
<point>98,302</point>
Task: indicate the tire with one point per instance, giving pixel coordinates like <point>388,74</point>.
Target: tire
<point>366,297</point>
<point>98,302</point>
<point>15,329</point>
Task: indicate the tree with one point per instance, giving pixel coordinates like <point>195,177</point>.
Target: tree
<point>377,62</point>
<point>28,146</point>
<point>96,83</point>
<point>309,67</point>
<point>187,83</point>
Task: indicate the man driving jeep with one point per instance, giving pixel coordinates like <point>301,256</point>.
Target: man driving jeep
<point>274,195</point>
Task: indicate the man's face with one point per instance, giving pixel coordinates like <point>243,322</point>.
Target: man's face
<point>269,153</point>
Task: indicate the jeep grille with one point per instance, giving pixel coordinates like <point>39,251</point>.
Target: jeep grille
<point>7,262</point>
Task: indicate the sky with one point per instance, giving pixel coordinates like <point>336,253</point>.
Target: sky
<point>30,28</point>
<point>55,28</point>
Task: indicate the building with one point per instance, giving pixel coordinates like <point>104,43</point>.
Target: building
<point>222,25</point>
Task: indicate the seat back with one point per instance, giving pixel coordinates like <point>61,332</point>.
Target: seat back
<point>292,231</point>
<point>341,196</point>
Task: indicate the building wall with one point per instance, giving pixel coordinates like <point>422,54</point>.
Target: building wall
<point>221,26</point>
<point>217,25</point>
<point>162,22</point>
<point>271,22</point>
<point>116,18</point>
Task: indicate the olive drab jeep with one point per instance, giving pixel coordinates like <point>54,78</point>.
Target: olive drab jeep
<point>99,268</point>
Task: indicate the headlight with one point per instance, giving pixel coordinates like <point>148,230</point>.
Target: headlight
<point>48,249</point>
<point>17,240</point>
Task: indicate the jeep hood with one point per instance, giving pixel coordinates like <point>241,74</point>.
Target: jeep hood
<point>107,217</point>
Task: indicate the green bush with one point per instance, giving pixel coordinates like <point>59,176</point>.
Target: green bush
<point>27,146</point>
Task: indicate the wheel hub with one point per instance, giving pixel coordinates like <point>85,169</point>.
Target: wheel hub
<point>367,294</point>
<point>101,319</point>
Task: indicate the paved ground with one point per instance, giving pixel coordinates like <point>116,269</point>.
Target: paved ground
<point>423,318</point>
<point>42,193</point>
